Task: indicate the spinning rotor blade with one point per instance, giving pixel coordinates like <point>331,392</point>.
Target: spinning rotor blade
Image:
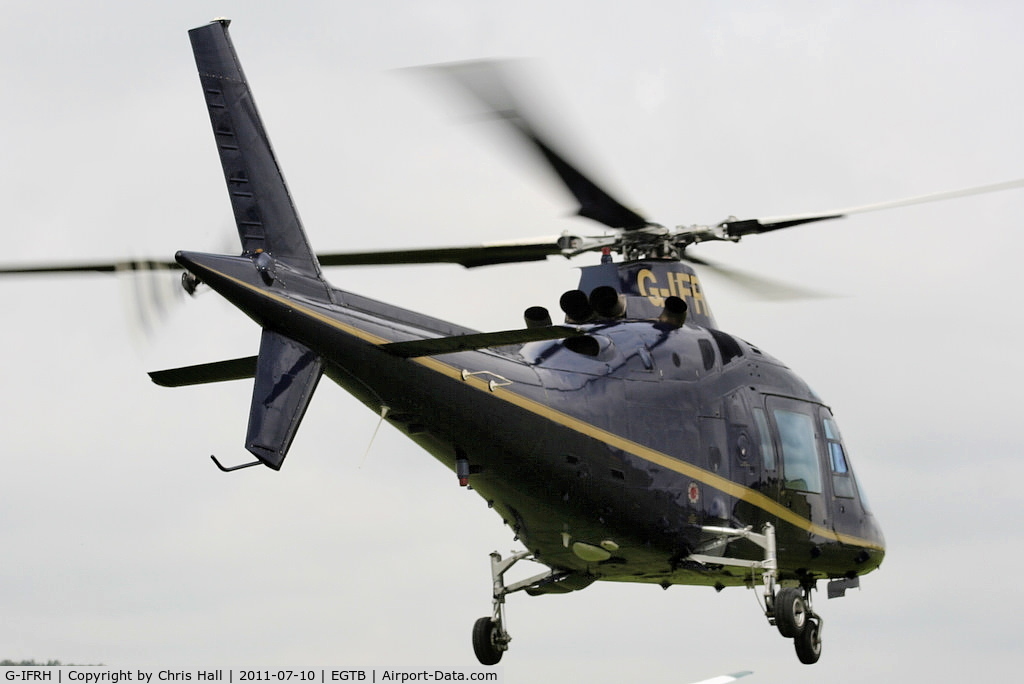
<point>757,285</point>
<point>735,229</point>
<point>490,83</point>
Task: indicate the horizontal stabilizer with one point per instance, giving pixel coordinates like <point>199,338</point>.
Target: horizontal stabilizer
<point>220,371</point>
<point>287,373</point>
<point>447,345</point>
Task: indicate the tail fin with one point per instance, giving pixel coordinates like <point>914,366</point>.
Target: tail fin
<point>263,208</point>
<point>286,376</point>
<point>286,372</point>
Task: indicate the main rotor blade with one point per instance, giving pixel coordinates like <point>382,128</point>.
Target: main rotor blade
<point>489,81</point>
<point>764,225</point>
<point>757,285</point>
<point>94,267</point>
<point>470,257</point>
<point>435,346</point>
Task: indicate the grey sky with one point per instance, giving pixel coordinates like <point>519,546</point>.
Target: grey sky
<point>124,545</point>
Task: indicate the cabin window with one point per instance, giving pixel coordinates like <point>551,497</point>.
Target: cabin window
<point>727,345</point>
<point>799,451</point>
<point>767,448</point>
<point>842,478</point>
<point>707,353</point>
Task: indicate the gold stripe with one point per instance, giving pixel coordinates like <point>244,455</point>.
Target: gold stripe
<point>706,477</point>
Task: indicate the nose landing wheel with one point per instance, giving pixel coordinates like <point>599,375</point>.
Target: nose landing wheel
<point>795,619</point>
<point>790,611</point>
<point>808,642</point>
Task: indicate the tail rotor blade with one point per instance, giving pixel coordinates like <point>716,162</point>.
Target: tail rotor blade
<point>150,292</point>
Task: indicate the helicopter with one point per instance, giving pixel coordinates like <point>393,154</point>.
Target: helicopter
<point>637,442</point>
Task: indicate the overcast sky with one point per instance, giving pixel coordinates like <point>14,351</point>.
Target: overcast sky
<point>124,545</point>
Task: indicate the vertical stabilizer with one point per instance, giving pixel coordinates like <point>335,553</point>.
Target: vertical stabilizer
<point>286,371</point>
<point>263,208</point>
<point>286,376</point>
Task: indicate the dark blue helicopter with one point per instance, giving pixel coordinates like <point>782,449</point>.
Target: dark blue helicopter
<point>636,442</point>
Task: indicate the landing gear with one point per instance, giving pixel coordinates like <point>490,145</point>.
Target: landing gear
<point>490,638</point>
<point>788,608</point>
<point>792,613</point>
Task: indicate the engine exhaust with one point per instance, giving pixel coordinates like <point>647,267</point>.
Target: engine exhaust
<point>537,317</point>
<point>607,302</point>
<point>576,307</point>
<point>674,313</point>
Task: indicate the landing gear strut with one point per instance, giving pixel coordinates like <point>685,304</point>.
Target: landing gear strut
<point>788,608</point>
<point>490,638</point>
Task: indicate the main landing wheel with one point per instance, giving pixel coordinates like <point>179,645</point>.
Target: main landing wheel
<point>808,643</point>
<point>485,641</point>
<point>790,612</point>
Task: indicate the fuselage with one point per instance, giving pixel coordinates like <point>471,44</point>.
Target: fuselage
<point>605,453</point>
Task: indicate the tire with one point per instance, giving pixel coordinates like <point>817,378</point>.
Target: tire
<point>790,612</point>
<point>808,644</point>
<point>486,650</point>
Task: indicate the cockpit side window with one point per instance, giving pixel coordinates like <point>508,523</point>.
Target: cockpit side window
<point>842,478</point>
<point>799,450</point>
<point>765,437</point>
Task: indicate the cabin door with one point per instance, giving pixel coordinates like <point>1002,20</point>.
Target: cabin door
<point>798,440</point>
